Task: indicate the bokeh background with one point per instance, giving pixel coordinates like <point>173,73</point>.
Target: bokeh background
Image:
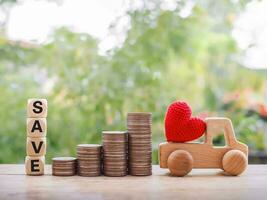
<point>97,60</point>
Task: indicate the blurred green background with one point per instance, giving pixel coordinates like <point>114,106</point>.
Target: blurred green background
<point>164,57</point>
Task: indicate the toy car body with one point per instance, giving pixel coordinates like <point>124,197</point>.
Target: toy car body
<point>180,158</point>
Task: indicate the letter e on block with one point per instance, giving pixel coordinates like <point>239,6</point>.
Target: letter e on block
<point>36,127</point>
<point>36,146</point>
<point>34,165</point>
<point>37,108</point>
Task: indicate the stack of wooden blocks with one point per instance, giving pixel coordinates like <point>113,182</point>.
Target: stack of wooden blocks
<point>36,136</point>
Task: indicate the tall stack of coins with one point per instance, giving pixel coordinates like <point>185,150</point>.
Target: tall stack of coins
<point>64,166</point>
<point>140,144</point>
<point>115,153</point>
<point>89,159</point>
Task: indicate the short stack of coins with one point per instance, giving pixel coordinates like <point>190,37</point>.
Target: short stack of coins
<point>115,157</point>
<point>36,136</point>
<point>64,166</point>
<point>140,143</point>
<point>89,159</point>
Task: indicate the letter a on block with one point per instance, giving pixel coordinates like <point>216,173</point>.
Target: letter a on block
<point>36,146</point>
<point>34,165</point>
<point>37,108</point>
<point>36,127</point>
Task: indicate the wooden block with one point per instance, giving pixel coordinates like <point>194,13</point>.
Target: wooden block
<point>36,127</point>
<point>36,146</point>
<point>37,108</point>
<point>34,165</point>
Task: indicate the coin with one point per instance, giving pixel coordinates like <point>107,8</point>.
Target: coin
<point>115,147</point>
<point>89,159</point>
<point>140,143</point>
<point>64,166</point>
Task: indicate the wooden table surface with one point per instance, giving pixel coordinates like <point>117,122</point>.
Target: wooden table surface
<point>200,184</point>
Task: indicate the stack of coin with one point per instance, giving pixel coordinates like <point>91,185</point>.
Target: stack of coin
<point>115,153</point>
<point>89,159</point>
<point>64,166</point>
<point>140,144</point>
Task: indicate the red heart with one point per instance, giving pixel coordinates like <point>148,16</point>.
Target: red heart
<point>180,126</point>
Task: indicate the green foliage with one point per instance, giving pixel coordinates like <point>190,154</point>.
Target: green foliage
<point>163,58</point>
<point>7,1</point>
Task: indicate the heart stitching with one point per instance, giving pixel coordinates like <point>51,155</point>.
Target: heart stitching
<point>180,126</point>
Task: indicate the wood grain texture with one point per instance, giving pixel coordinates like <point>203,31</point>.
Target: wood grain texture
<point>37,108</point>
<point>36,127</point>
<point>205,155</point>
<point>234,162</point>
<point>199,184</point>
<point>180,163</point>
<point>34,165</point>
<point>36,146</point>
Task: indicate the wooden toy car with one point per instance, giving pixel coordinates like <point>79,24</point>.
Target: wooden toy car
<point>180,158</point>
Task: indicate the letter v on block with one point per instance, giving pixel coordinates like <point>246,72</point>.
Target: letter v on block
<point>36,127</point>
<point>37,149</point>
<point>36,146</point>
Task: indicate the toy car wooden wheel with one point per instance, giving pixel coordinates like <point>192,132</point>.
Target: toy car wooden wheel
<point>180,163</point>
<point>234,162</point>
